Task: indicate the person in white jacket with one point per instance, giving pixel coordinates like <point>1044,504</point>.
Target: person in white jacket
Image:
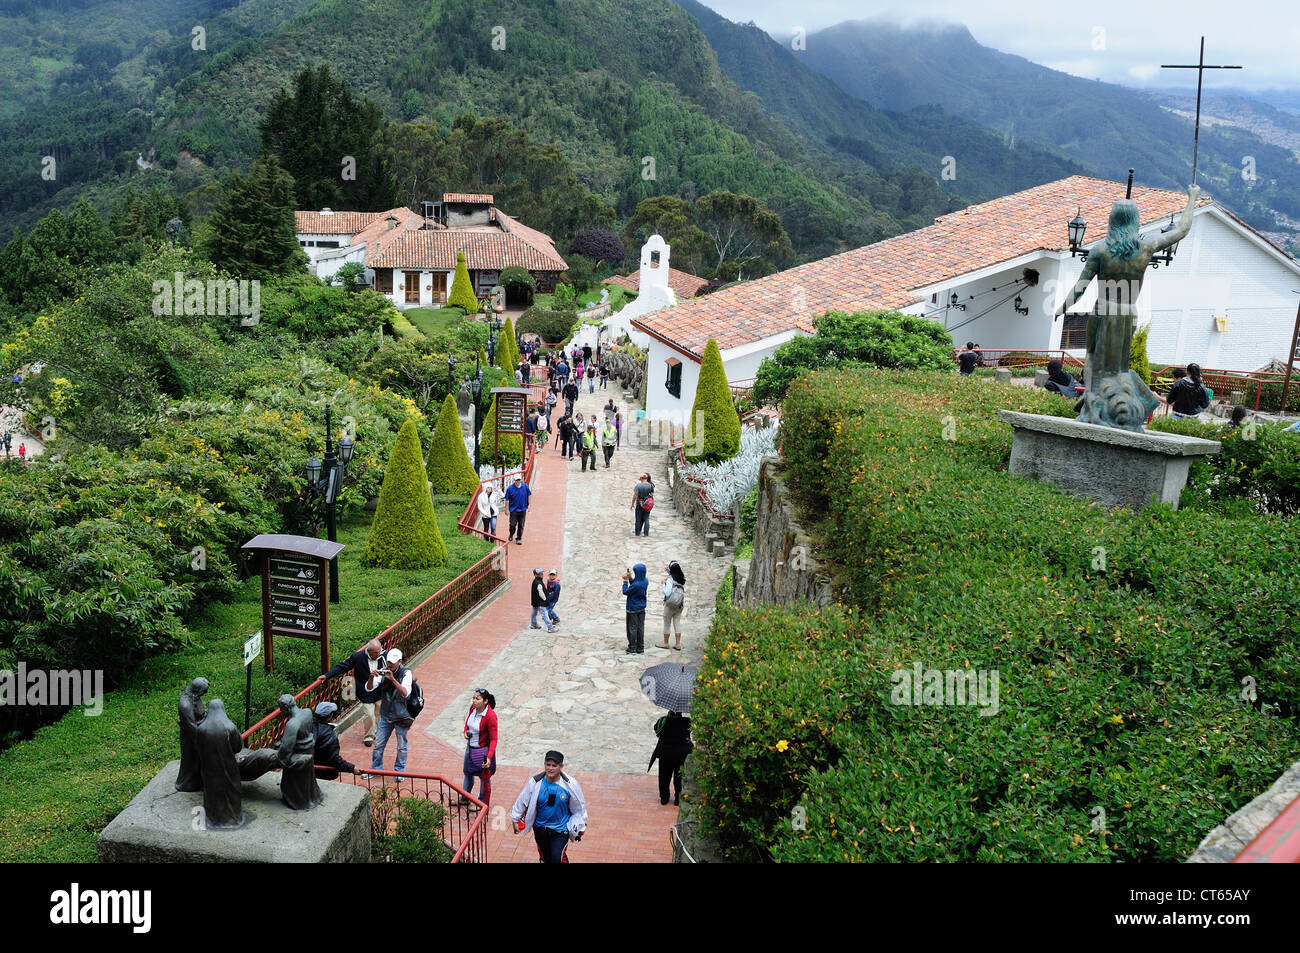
<point>489,505</point>
<point>552,804</point>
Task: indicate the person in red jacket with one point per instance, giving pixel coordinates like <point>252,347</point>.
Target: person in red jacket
<point>481,744</point>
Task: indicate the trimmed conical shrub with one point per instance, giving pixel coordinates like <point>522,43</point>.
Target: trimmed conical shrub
<point>462,289</point>
<point>450,469</point>
<point>508,350</point>
<point>405,534</point>
<point>713,432</point>
<point>512,445</point>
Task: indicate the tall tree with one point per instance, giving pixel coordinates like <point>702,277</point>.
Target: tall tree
<point>673,219</point>
<point>332,145</point>
<point>252,232</point>
<point>746,236</point>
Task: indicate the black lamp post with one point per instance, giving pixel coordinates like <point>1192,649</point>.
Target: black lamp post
<point>1077,226</point>
<point>326,479</point>
<point>1018,304</point>
<point>476,388</point>
<point>953,303</point>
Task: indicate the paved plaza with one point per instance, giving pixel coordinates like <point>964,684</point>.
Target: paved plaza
<point>574,690</point>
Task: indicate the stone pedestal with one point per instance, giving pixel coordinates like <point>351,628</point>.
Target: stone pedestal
<point>160,826</point>
<point>1114,467</point>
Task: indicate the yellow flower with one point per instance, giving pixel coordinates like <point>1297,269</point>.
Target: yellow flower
<point>782,745</point>
<point>1117,719</point>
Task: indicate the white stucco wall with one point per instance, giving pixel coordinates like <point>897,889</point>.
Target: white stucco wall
<point>741,364</point>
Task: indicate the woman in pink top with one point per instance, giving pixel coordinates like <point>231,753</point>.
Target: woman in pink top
<point>481,744</point>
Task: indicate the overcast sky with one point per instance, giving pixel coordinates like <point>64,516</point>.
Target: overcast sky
<point>1136,35</point>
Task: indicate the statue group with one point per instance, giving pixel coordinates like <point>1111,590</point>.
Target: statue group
<point>1114,394</point>
<point>214,761</point>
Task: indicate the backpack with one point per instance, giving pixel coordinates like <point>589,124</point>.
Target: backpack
<point>648,503</point>
<point>415,700</point>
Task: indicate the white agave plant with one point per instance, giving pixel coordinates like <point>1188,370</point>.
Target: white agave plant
<point>730,481</point>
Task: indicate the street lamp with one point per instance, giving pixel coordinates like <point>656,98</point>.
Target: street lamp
<point>1077,226</point>
<point>1165,257</point>
<point>325,479</point>
<point>476,388</point>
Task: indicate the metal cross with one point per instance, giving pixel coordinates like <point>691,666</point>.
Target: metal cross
<point>1200,68</point>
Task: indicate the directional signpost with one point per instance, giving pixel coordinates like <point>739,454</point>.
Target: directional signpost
<point>252,649</point>
<point>512,408</point>
<point>295,590</point>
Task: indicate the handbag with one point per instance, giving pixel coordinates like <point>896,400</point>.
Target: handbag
<point>648,503</point>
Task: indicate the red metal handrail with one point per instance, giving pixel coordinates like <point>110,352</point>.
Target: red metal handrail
<point>467,837</point>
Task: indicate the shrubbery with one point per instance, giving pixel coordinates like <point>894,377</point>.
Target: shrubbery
<point>405,534</point>
<point>450,469</point>
<point>462,294</point>
<point>713,432</point>
<point>1120,641</point>
<point>554,327</point>
<point>1257,469</point>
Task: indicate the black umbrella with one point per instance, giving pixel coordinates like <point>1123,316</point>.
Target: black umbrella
<point>669,685</point>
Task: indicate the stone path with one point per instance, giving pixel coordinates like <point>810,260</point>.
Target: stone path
<point>575,689</point>
<point>11,420</point>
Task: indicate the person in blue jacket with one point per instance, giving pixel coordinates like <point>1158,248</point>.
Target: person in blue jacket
<point>635,586</point>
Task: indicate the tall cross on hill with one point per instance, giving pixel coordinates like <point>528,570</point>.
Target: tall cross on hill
<point>1200,68</point>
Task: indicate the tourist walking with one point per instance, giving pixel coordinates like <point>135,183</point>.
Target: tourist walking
<point>553,807</point>
<point>490,500</point>
<point>1187,397</point>
<point>480,745</point>
<point>635,587</point>
<point>364,665</point>
<point>562,372</point>
<point>393,715</point>
<point>608,441</point>
<point>674,591</point>
<point>643,501</point>
<point>22,453</point>
<point>672,749</point>
<point>552,595</point>
<point>589,448</point>
<point>564,429</point>
<point>539,602</point>
<point>604,376</point>
<point>543,426</point>
<point>517,500</point>
<point>570,395</point>
<point>618,426</point>
<point>591,379</point>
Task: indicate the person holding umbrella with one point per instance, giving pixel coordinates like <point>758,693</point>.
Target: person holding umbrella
<point>672,750</point>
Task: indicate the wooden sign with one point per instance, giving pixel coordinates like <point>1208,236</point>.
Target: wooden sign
<point>512,407</point>
<point>295,590</point>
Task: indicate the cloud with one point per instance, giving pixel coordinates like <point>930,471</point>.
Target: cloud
<point>1144,72</point>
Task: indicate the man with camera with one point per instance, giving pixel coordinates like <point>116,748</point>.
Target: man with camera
<point>363,664</point>
<point>552,804</point>
<point>393,716</point>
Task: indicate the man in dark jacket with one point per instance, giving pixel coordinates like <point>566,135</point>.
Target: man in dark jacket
<point>1187,397</point>
<point>539,599</point>
<point>363,664</point>
<point>635,586</point>
<point>517,499</point>
<point>329,759</point>
<point>570,395</point>
<point>564,427</point>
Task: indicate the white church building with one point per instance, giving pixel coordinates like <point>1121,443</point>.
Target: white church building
<point>994,274</point>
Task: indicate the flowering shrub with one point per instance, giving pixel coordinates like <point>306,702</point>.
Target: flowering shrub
<point>1120,641</point>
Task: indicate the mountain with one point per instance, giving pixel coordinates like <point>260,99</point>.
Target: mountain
<point>631,95</point>
<point>1105,127</point>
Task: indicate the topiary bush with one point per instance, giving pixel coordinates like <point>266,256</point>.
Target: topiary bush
<point>508,350</point>
<point>554,327</point>
<point>462,289</point>
<point>450,469</point>
<point>404,534</point>
<point>713,432</point>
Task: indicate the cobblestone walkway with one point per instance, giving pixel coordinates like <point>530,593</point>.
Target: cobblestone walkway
<point>574,689</point>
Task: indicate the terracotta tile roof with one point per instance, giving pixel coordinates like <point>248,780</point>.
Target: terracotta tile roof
<point>435,250</point>
<point>406,220</point>
<point>540,241</point>
<point>886,274</point>
<point>335,223</point>
<point>683,283</point>
<point>469,198</point>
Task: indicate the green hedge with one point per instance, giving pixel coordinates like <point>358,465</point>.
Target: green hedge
<point>1120,682</point>
<point>1257,469</point>
<point>555,327</point>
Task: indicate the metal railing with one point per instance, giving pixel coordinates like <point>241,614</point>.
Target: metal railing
<point>1015,358</point>
<point>464,829</point>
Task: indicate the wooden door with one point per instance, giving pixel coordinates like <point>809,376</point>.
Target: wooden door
<point>412,281</point>
<point>439,287</point>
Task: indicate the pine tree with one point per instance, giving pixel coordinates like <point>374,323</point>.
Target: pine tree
<point>405,534</point>
<point>450,469</point>
<point>713,432</point>
<point>512,445</point>
<point>462,289</point>
<point>508,350</point>
<point>252,232</point>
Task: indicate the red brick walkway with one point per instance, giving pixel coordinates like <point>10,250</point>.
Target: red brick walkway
<point>627,822</point>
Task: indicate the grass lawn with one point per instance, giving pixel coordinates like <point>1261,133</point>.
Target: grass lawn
<point>61,787</point>
<point>433,320</point>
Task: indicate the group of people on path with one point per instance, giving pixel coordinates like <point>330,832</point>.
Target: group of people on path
<point>8,441</point>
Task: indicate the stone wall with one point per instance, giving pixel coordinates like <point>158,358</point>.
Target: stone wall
<point>1228,839</point>
<point>716,534</point>
<point>782,568</point>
